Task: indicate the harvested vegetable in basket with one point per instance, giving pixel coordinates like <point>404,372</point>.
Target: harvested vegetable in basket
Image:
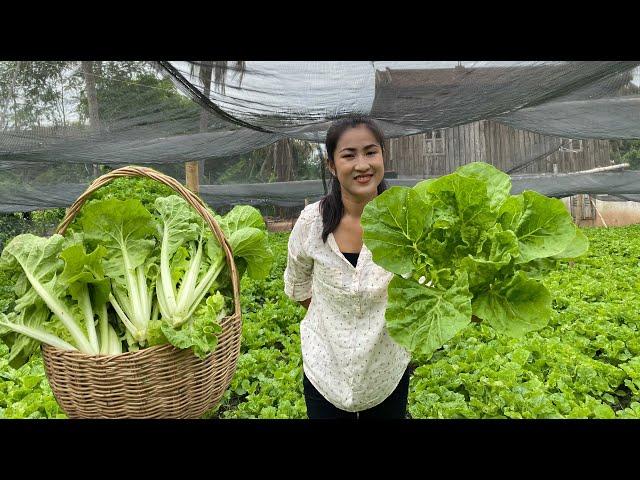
<point>125,278</point>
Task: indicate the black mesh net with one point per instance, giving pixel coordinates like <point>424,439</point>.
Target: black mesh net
<point>256,128</point>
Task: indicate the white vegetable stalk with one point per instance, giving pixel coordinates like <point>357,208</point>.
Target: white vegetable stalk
<point>123,301</point>
<point>145,297</point>
<point>87,311</point>
<point>131,328</point>
<point>133,345</point>
<point>131,281</point>
<point>165,274</point>
<point>162,301</point>
<point>65,317</point>
<point>103,325</point>
<point>114,345</point>
<point>204,286</point>
<point>189,284</point>
<point>191,292</point>
<point>38,334</point>
<point>134,311</point>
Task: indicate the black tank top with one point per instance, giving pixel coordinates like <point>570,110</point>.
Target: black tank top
<point>352,257</point>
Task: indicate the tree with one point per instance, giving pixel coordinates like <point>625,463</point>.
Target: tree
<point>33,92</point>
<point>49,100</point>
<point>92,102</point>
<point>280,161</point>
<point>265,164</point>
<point>204,70</point>
<point>92,96</point>
<point>626,151</point>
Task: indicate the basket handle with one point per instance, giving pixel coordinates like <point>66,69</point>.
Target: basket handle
<point>176,186</point>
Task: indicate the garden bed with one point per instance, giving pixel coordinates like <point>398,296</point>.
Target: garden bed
<point>584,364</point>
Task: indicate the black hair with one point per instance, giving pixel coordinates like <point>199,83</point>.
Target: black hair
<point>331,205</point>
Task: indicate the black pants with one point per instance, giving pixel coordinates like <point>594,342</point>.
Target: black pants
<point>394,406</point>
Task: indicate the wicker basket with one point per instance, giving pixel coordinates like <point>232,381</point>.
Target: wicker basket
<point>155,382</point>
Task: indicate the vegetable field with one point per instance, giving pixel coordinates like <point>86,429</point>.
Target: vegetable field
<point>584,364</point>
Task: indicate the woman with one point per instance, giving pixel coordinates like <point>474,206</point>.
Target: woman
<point>352,368</point>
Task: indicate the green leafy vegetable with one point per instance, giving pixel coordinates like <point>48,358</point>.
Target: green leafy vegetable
<point>126,230</point>
<point>148,280</point>
<point>423,319</point>
<point>246,233</point>
<point>461,245</point>
<point>36,259</point>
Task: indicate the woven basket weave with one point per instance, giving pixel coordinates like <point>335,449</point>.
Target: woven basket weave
<point>155,382</point>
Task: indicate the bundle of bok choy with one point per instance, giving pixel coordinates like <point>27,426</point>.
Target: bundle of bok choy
<point>125,278</point>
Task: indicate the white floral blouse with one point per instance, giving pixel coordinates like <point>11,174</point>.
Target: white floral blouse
<point>347,353</point>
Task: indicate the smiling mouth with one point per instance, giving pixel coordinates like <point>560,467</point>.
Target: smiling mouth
<point>364,178</point>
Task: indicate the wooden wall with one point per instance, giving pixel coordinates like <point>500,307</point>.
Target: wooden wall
<point>487,141</point>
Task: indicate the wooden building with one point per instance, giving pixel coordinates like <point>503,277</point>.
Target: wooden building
<point>413,92</point>
<point>440,152</point>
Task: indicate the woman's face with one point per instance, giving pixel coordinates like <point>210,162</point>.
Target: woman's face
<point>358,163</point>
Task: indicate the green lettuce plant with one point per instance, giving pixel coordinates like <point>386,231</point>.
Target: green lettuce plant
<point>460,246</point>
<point>125,230</point>
<point>55,281</point>
<point>192,265</point>
<point>148,279</point>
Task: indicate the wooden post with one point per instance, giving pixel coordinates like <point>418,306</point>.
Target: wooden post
<point>193,180</point>
<point>598,212</point>
<point>579,209</point>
